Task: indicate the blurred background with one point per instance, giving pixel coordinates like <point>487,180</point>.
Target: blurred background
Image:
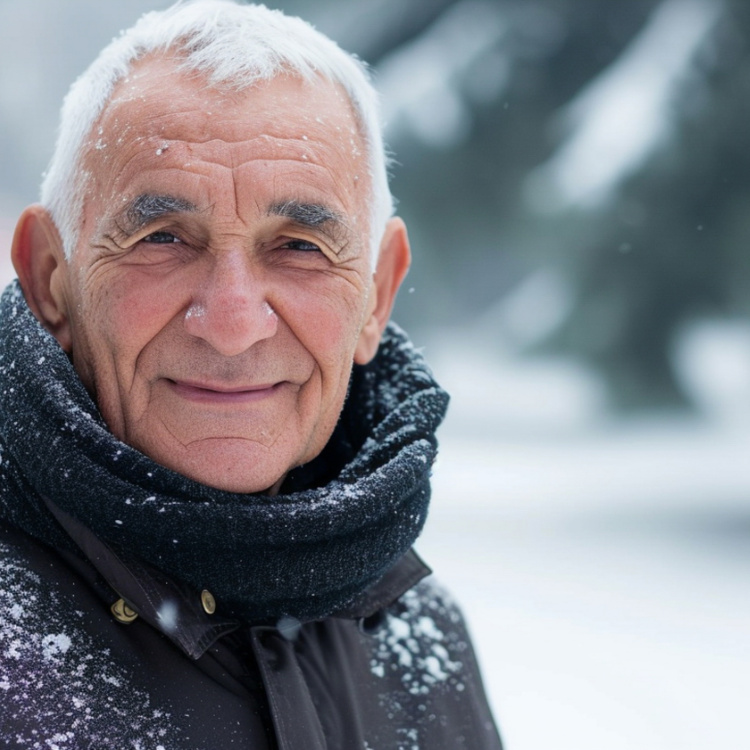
<point>575,176</point>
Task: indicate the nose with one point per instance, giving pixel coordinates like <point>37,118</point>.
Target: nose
<point>230,311</point>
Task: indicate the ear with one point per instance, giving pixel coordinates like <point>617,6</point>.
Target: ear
<point>42,269</point>
<point>393,263</point>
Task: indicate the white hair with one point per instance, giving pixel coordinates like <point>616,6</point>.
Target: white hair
<point>235,45</point>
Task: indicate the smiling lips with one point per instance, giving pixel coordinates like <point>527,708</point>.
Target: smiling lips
<point>205,393</point>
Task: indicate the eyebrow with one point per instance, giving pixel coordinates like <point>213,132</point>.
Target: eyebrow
<point>312,215</point>
<point>148,207</point>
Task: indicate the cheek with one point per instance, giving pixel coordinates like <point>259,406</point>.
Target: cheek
<point>126,310</point>
<point>327,321</point>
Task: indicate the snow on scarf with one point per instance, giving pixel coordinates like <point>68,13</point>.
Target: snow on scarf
<point>337,526</point>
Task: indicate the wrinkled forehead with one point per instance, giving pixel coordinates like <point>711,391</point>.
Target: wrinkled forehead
<point>160,98</point>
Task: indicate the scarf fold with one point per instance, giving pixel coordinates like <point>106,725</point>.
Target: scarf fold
<point>337,526</point>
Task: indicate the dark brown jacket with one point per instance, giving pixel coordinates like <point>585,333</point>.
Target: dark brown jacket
<point>395,672</point>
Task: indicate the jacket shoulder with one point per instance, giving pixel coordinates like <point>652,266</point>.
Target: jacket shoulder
<point>431,598</point>
<point>424,630</point>
<point>423,651</point>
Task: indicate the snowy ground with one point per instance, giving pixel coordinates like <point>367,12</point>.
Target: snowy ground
<point>603,567</point>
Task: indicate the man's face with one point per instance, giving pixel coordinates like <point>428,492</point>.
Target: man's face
<point>222,279</point>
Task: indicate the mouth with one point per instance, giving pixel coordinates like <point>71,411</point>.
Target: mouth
<point>209,393</point>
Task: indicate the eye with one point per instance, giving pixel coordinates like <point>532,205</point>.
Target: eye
<point>161,238</point>
<point>302,245</point>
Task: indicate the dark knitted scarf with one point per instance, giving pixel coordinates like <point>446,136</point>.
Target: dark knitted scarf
<point>337,526</point>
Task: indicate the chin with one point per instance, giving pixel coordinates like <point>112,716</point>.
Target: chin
<point>238,484</point>
<point>231,466</point>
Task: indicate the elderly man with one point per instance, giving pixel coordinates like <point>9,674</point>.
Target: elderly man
<point>215,449</point>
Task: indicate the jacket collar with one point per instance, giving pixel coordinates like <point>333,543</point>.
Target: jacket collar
<point>177,610</point>
<point>165,604</point>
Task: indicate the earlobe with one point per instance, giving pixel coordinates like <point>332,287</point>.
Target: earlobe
<point>393,263</point>
<point>39,261</point>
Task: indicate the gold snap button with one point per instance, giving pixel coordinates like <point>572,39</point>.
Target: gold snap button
<point>122,612</point>
<point>208,602</point>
